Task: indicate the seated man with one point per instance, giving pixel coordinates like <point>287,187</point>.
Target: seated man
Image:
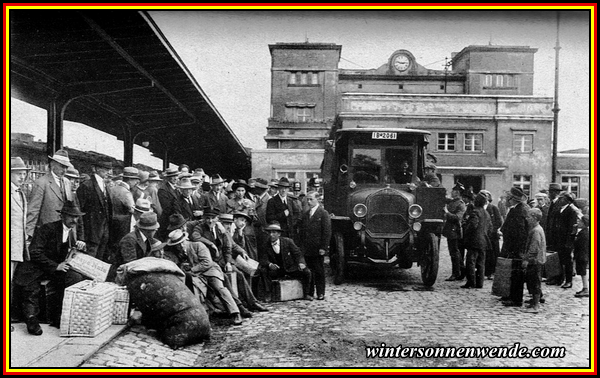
<point>281,257</point>
<point>49,248</point>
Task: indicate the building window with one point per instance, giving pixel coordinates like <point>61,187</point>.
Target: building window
<point>303,78</point>
<point>488,81</point>
<point>299,114</point>
<point>523,182</point>
<point>446,141</point>
<point>500,81</point>
<point>474,142</point>
<point>571,184</point>
<point>523,143</point>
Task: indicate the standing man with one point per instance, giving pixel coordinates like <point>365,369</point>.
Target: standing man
<point>282,257</point>
<point>123,203</point>
<point>491,255</point>
<point>49,193</point>
<point>215,198</point>
<point>152,192</point>
<point>49,248</point>
<point>552,218</point>
<point>169,200</point>
<point>316,236</point>
<point>454,209</point>
<point>476,241</point>
<point>139,190</point>
<point>514,233</point>
<point>95,202</point>
<point>564,231</point>
<point>281,209</point>
<point>18,217</point>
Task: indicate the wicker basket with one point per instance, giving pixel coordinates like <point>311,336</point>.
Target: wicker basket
<point>87,308</point>
<point>121,311</point>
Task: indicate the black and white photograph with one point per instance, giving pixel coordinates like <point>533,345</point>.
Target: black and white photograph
<point>271,189</point>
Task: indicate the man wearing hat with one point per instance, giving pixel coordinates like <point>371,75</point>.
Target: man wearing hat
<point>49,193</point>
<point>215,198</point>
<point>476,240</point>
<point>152,192</point>
<point>139,190</point>
<point>281,209</point>
<point>240,201</point>
<point>281,257</point>
<point>138,243</point>
<point>563,231</point>
<point>189,205</point>
<point>554,189</point>
<point>430,179</point>
<point>94,199</point>
<point>49,248</point>
<point>273,188</point>
<point>168,195</point>
<point>197,179</point>
<point>262,197</point>
<point>123,204</point>
<point>18,216</point>
<point>244,234</point>
<point>491,255</point>
<point>514,233</point>
<point>454,210</point>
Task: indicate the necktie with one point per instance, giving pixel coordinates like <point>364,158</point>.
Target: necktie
<point>21,197</point>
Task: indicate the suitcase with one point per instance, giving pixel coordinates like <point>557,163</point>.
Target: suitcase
<point>552,267</point>
<point>286,290</point>
<point>508,275</point>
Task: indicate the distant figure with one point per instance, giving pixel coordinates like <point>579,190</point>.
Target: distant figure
<point>405,174</point>
<point>582,254</point>
<point>476,241</point>
<point>430,179</point>
<point>535,258</point>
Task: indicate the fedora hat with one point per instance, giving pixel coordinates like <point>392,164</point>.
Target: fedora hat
<point>17,164</point>
<point>226,218</point>
<point>61,157</point>
<point>185,183</point>
<point>568,196</point>
<point>170,172</point>
<point>555,186</point>
<point>216,179</point>
<point>237,214</point>
<point>273,226</point>
<point>273,183</point>
<point>153,176</point>
<point>72,173</point>
<point>177,237</point>
<point>211,211</point>
<point>142,205</point>
<point>148,221</point>
<point>131,172</point>
<point>261,184</point>
<point>240,183</point>
<point>103,163</point>
<point>183,175</point>
<point>283,183</point>
<point>71,208</point>
<point>176,221</point>
<point>143,176</point>
<point>197,176</point>
<point>516,193</point>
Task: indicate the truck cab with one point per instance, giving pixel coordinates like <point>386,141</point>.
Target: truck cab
<point>382,212</point>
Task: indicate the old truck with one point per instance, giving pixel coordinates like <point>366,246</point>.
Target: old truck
<point>382,213</point>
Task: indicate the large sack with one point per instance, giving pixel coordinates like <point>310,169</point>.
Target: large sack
<point>132,269</point>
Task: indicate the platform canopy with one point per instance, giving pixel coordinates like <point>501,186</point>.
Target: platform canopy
<point>115,71</point>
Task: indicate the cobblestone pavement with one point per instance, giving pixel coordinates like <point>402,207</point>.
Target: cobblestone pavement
<point>392,308</point>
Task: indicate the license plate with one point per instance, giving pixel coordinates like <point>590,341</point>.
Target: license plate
<point>383,135</point>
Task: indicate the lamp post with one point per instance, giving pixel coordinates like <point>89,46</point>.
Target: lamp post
<point>555,109</point>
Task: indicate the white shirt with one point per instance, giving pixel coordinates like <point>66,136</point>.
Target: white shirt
<point>100,182</point>
<point>65,234</point>
<point>57,179</point>
<point>283,199</point>
<point>276,246</point>
<point>313,210</point>
<point>144,238</point>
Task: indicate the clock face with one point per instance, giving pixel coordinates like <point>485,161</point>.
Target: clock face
<point>401,63</point>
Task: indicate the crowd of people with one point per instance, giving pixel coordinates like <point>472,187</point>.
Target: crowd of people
<point>552,221</point>
<point>209,227</point>
<point>212,228</point>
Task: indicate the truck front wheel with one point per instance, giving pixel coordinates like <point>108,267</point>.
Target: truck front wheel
<point>430,259</point>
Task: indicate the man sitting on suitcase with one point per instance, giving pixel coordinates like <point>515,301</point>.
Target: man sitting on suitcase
<point>281,257</point>
<point>49,248</point>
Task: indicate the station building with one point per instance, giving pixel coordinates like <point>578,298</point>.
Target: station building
<point>488,131</point>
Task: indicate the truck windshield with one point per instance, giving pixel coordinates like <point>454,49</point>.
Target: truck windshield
<point>372,165</point>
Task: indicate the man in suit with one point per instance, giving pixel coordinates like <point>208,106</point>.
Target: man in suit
<point>281,209</point>
<point>564,229</point>
<point>262,197</point>
<point>49,248</point>
<point>138,244</point>
<point>476,241</point>
<point>514,233</point>
<point>315,233</point>
<point>215,198</point>
<point>152,192</point>
<point>18,217</point>
<point>49,193</point>
<point>455,209</point>
<point>189,204</point>
<point>94,199</point>
<point>169,200</point>
<point>123,203</point>
<point>241,199</point>
<point>281,257</point>
<point>244,234</point>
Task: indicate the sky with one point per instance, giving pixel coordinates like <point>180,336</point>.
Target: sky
<point>228,54</point>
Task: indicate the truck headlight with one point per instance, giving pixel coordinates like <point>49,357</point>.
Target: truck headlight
<point>415,211</point>
<point>416,226</point>
<point>352,185</point>
<point>360,210</point>
<point>358,226</point>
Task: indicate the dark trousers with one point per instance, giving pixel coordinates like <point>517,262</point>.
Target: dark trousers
<point>564,255</point>
<point>533,276</point>
<point>491,256</point>
<point>316,265</point>
<point>100,250</point>
<point>516,282</point>
<point>458,265</point>
<point>475,267</point>
<point>31,295</point>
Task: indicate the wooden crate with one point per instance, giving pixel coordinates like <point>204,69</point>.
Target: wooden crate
<point>87,265</point>
<point>88,308</point>
<point>121,310</point>
<point>286,290</point>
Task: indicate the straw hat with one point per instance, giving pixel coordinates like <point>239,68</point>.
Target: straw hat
<point>61,157</point>
<point>17,164</point>
<point>177,237</point>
